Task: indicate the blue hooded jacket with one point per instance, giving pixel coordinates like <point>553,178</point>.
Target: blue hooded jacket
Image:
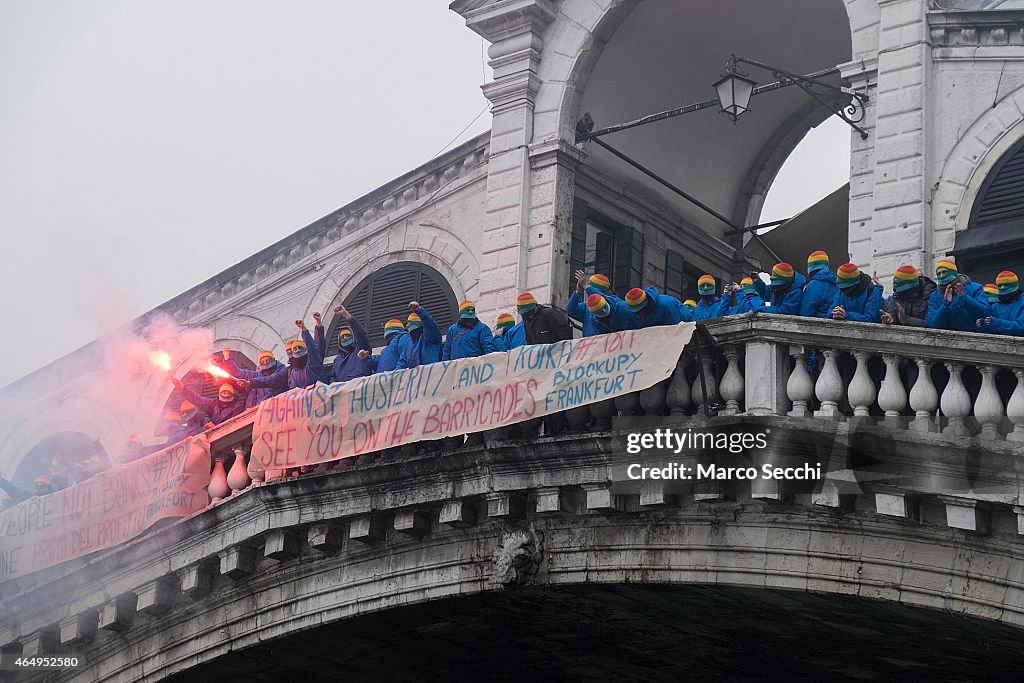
<point>512,338</point>
<point>426,349</point>
<point>962,312</point>
<point>347,364</point>
<point>468,342</point>
<point>620,318</point>
<point>1007,318</point>
<point>256,394</point>
<point>578,311</point>
<point>706,310</point>
<point>787,302</point>
<point>746,303</point>
<point>667,310</point>
<point>298,378</point>
<point>388,358</point>
<point>819,293</point>
<point>864,307</point>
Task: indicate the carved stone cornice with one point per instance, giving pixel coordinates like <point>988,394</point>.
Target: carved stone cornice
<point>976,29</point>
<point>497,20</point>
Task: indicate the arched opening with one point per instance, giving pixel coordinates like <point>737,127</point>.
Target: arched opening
<point>637,632</point>
<point>386,294</point>
<point>201,382</point>
<point>56,454</point>
<point>664,55</point>
<point>994,238</point>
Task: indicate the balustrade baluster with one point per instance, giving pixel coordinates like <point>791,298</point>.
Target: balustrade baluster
<point>988,407</point>
<point>731,388</point>
<point>218,488</point>
<point>799,386</point>
<point>678,396</point>
<point>238,478</point>
<point>924,398</point>
<point>955,402</point>
<point>652,399</point>
<point>862,390</point>
<point>829,387</point>
<point>892,397</point>
<point>1015,409</point>
<point>603,412</point>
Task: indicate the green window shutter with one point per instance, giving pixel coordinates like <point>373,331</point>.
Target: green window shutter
<point>629,259</point>
<point>674,274</point>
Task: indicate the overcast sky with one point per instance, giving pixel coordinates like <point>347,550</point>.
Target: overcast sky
<point>146,146</point>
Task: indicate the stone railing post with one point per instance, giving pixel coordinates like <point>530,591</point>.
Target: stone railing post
<point>765,371</point>
<point>218,488</point>
<point>955,403</point>
<point>799,386</point>
<point>697,393</point>
<point>862,390</point>
<point>678,396</point>
<point>829,388</point>
<point>1015,409</point>
<point>924,398</point>
<point>988,407</point>
<point>731,388</point>
<point>892,397</point>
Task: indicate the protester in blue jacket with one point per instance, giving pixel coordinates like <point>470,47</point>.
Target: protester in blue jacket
<point>610,315</point>
<point>709,305</point>
<point>820,289</point>
<point>577,306</point>
<point>396,341</point>
<point>649,308</point>
<point>786,291</point>
<point>467,337</point>
<point>425,336</point>
<point>859,299</point>
<point>353,359</point>
<point>958,302</point>
<point>746,298</point>
<point>266,366</point>
<point>1007,313</point>
<point>508,334</point>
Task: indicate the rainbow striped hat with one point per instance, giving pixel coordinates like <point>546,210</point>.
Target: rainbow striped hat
<point>782,273</point>
<point>414,321</point>
<point>748,285</point>
<point>905,277</point>
<point>691,304</point>
<point>296,347</point>
<point>816,261</point>
<point>945,271</point>
<point>467,309</point>
<point>706,284</point>
<point>505,321</point>
<point>636,299</point>
<point>1007,283</point>
<point>848,275</point>
<point>598,305</point>
<point>601,282</point>
<point>992,292</point>
<point>393,326</point>
<point>525,302</point>
<point>265,358</point>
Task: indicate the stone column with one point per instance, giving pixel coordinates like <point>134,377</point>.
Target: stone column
<point>514,30</point>
<point>900,222</point>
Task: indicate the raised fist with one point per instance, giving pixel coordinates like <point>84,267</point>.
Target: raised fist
<point>414,306</point>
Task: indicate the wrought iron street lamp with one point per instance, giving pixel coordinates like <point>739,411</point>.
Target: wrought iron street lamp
<point>736,87</point>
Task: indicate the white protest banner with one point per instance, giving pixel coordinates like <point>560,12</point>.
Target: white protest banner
<point>324,423</point>
<point>105,510</point>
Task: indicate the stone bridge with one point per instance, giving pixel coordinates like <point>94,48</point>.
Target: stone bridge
<point>546,557</point>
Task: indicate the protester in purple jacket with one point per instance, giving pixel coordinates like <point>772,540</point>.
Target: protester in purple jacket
<point>353,359</point>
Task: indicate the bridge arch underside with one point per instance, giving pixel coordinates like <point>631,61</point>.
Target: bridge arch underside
<point>659,55</point>
<point>635,631</point>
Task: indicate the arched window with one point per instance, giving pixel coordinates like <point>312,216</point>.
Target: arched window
<point>994,239</point>
<point>202,383</point>
<point>386,294</point>
<point>58,456</point>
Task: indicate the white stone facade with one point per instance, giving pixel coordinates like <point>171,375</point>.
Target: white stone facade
<point>494,216</point>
